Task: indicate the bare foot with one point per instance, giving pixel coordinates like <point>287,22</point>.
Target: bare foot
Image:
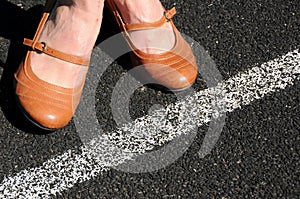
<point>72,29</point>
<point>151,41</point>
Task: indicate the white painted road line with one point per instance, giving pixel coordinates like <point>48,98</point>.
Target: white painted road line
<point>63,172</point>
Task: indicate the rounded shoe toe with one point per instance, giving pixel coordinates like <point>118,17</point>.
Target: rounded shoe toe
<point>46,115</point>
<point>172,78</point>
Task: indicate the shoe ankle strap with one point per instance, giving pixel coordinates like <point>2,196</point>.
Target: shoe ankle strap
<point>41,47</point>
<point>167,17</point>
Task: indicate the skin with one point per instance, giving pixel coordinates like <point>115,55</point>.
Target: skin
<point>74,27</point>
<point>152,40</point>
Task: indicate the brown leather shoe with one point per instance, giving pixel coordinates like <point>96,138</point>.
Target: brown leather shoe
<point>46,105</point>
<point>175,69</point>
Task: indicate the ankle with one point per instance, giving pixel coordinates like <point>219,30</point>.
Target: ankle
<point>135,11</point>
<point>92,7</point>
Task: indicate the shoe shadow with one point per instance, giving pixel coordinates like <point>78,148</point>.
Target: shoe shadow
<point>109,28</point>
<point>18,24</point>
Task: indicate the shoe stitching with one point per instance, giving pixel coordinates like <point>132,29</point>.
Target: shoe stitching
<point>65,107</point>
<point>46,95</point>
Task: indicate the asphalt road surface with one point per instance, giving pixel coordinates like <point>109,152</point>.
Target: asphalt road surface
<point>252,48</point>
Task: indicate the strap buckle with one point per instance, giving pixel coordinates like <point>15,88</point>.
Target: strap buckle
<point>166,16</point>
<point>43,48</point>
<point>169,14</point>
